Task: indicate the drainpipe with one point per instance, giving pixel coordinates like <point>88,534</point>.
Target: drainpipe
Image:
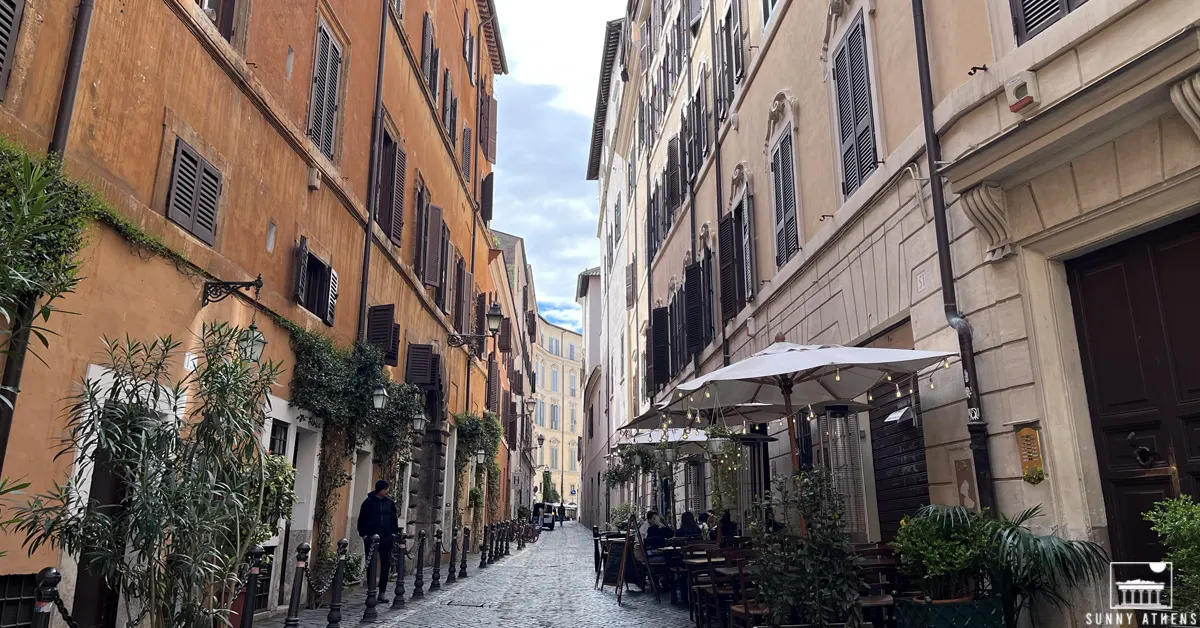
<point>716,116</point>
<point>691,206</point>
<point>373,175</point>
<point>10,381</point>
<point>976,426</point>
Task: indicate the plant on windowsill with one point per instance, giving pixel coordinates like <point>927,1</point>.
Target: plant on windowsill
<point>1177,522</point>
<point>806,574</point>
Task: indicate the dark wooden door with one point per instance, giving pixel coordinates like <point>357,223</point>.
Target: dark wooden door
<point>1136,308</point>
<point>898,451</point>
<point>96,603</point>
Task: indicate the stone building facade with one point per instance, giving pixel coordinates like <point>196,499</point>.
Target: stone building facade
<point>559,414</point>
<point>1068,141</point>
<point>274,107</point>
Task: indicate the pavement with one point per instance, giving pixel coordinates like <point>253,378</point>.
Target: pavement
<point>546,585</point>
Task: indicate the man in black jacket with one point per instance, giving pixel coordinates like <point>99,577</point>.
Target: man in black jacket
<point>377,515</point>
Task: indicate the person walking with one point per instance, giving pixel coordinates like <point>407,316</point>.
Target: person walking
<point>377,515</point>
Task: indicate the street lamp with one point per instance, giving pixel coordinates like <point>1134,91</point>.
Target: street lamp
<point>541,439</point>
<point>418,422</point>
<point>530,406</point>
<point>494,319</point>
<point>480,456</point>
<point>379,398</point>
<point>252,343</point>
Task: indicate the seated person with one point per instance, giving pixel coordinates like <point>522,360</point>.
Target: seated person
<point>688,527</point>
<point>657,531</point>
<point>705,528</point>
<point>728,527</point>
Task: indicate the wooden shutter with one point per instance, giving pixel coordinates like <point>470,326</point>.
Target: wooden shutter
<point>693,12</point>
<point>630,285</point>
<point>720,67</point>
<point>435,69</point>
<point>783,179</point>
<point>487,193</point>
<point>693,301</point>
<point>447,97</point>
<point>855,122</point>
<point>433,246</point>
<point>504,338</point>
<point>302,271</point>
<point>453,119</point>
<point>464,300</point>
<point>320,79</point>
<point>481,314</point>
<point>493,389</point>
<point>10,26</point>
<point>466,152</point>
<point>427,50</point>
<point>392,356</point>
<point>326,79</point>
<point>380,319</point>
<point>185,178</point>
<point>727,248</point>
<point>735,36</point>
<point>398,194</point>
<point>208,199</point>
<point>687,171</point>
<point>331,295</point>
<point>385,188</point>
<point>673,173</point>
<point>660,345</point>
<point>1031,17</point>
<point>491,143</point>
<point>418,365</point>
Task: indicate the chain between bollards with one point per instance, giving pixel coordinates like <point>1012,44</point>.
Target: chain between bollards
<point>401,555</point>
<point>452,572</point>
<point>339,575</point>
<point>370,615</point>
<point>419,583</point>
<point>435,582</point>
<point>293,613</point>
<point>47,600</point>
<point>466,548</point>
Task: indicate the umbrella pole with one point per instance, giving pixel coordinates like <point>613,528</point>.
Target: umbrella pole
<point>786,388</point>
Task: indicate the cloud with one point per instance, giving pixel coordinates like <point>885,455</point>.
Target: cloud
<point>569,316</point>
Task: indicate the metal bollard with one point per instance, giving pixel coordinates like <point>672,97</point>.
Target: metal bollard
<point>596,546</point>
<point>247,619</point>
<point>521,535</point>
<point>508,535</point>
<point>401,555</point>
<point>435,582</point>
<point>44,596</point>
<point>293,613</point>
<point>369,613</point>
<point>339,574</point>
<point>483,546</point>
<point>419,583</point>
<point>466,548</point>
<point>452,572</point>
<point>494,543</point>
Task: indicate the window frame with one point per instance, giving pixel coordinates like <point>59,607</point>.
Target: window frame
<point>339,92</point>
<point>778,186</point>
<point>846,35</point>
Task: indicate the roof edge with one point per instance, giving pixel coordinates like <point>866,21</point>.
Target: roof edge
<point>612,40</point>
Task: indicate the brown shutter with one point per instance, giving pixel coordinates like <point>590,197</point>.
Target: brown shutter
<point>787,197</point>
<point>10,26</point>
<point>464,300</point>
<point>493,401</point>
<point>491,150</point>
<point>467,148</point>
<point>385,187</point>
<point>482,122</point>
<point>504,339</point>
<point>673,173</point>
<point>433,246</point>
<point>418,365</point>
<point>435,72</point>
<point>480,314</point>
<point>331,283</point>
<point>856,131</point>
<point>302,271</point>
<point>320,80</point>
<point>487,194</point>
<point>380,319</point>
<point>208,198</point>
<point>727,247</point>
<point>185,177</point>
<point>396,233</point>
<point>427,48</point>
<point>693,303</point>
<point>660,345</point>
<point>392,356</point>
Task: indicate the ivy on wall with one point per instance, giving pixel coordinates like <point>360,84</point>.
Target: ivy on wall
<point>473,433</point>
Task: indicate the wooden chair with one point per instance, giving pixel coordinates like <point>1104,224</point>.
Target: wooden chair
<point>699,576</point>
<point>878,572</point>
<point>718,598</point>
<point>749,611</point>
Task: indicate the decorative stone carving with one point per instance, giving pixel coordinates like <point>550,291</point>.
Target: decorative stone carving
<point>1186,96</point>
<point>987,209</point>
<point>707,236</point>
<point>783,105</point>
<point>741,177</point>
<point>687,257</point>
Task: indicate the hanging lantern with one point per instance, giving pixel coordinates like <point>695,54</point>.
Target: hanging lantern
<point>252,343</point>
<point>379,398</point>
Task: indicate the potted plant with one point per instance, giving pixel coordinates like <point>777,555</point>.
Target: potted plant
<point>945,560</point>
<point>719,441</point>
<point>807,573</point>
<point>1010,568</point>
<point>1177,522</point>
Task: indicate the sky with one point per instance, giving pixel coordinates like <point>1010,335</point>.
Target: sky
<point>546,104</point>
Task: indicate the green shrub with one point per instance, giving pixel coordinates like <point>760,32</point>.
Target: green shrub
<point>947,560</point>
<point>618,516</point>
<point>1177,522</point>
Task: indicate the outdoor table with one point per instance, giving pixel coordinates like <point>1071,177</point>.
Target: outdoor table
<point>700,562</point>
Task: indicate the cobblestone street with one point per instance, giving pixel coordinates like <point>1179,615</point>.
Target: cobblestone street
<point>548,584</point>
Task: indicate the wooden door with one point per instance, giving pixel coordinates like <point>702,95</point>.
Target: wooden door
<point>96,604</point>
<point>1136,304</point>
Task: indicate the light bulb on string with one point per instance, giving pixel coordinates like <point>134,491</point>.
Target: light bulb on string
<point>707,395</point>
<point>910,389</point>
<point>930,382</point>
<point>838,376</point>
<point>870,397</point>
<point>897,391</point>
<point>946,363</point>
<point>889,377</point>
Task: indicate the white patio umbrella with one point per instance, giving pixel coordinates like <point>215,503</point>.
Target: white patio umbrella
<point>679,415</point>
<point>794,375</point>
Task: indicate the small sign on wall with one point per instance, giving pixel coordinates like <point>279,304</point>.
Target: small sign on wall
<point>964,482</point>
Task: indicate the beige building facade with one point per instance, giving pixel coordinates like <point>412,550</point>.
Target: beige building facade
<point>559,414</point>
<point>801,204</point>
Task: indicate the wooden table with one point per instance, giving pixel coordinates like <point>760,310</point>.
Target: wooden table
<point>700,562</point>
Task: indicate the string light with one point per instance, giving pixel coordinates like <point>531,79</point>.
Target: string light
<point>931,383</point>
<point>838,377</point>
<point>910,389</point>
<point>870,397</point>
<point>889,377</point>
<point>707,395</point>
<point>946,363</point>
<point>897,391</point>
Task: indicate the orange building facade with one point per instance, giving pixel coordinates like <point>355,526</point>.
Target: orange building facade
<point>243,134</point>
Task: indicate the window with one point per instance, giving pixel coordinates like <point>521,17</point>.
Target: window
<point>430,57</point>
<point>783,180</point>
<point>1031,17</point>
<point>555,346</point>
<point>856,127</point>
<point>572,463</point>
<point>768,7</point>
<point>574,421</point>
<point>617,218</point>
<point>571,351</point>
<point>392,185</point>
<point>555,418</point>
<point>554,456</point>
<point>591,416</point>
<point>10,26</point>
<point>574,384</point>
<point>316,284</point>
<point>554,379</point>
<point>279,438</point>
<point>221,13</point>
<point>384,332</point>
<point>541,456</point>
<point>466,155</point>
<point>195,193</point>
<point>541,413</point>
<point>17,596</point>
<point>736,258</point>
<point>327,71</point>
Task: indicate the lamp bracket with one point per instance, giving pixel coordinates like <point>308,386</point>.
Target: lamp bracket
<point>460,340</point>
<point>217,290</point>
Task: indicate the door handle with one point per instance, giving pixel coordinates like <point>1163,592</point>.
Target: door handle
<point>1145,455</point>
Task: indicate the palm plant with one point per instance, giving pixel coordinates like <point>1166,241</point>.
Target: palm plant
<point>1022,567</point>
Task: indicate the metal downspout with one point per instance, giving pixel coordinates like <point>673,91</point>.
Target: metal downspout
<point>976,426</point>
<point>716,116</point>
<point>373,175</point>
<point>10,381</point>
